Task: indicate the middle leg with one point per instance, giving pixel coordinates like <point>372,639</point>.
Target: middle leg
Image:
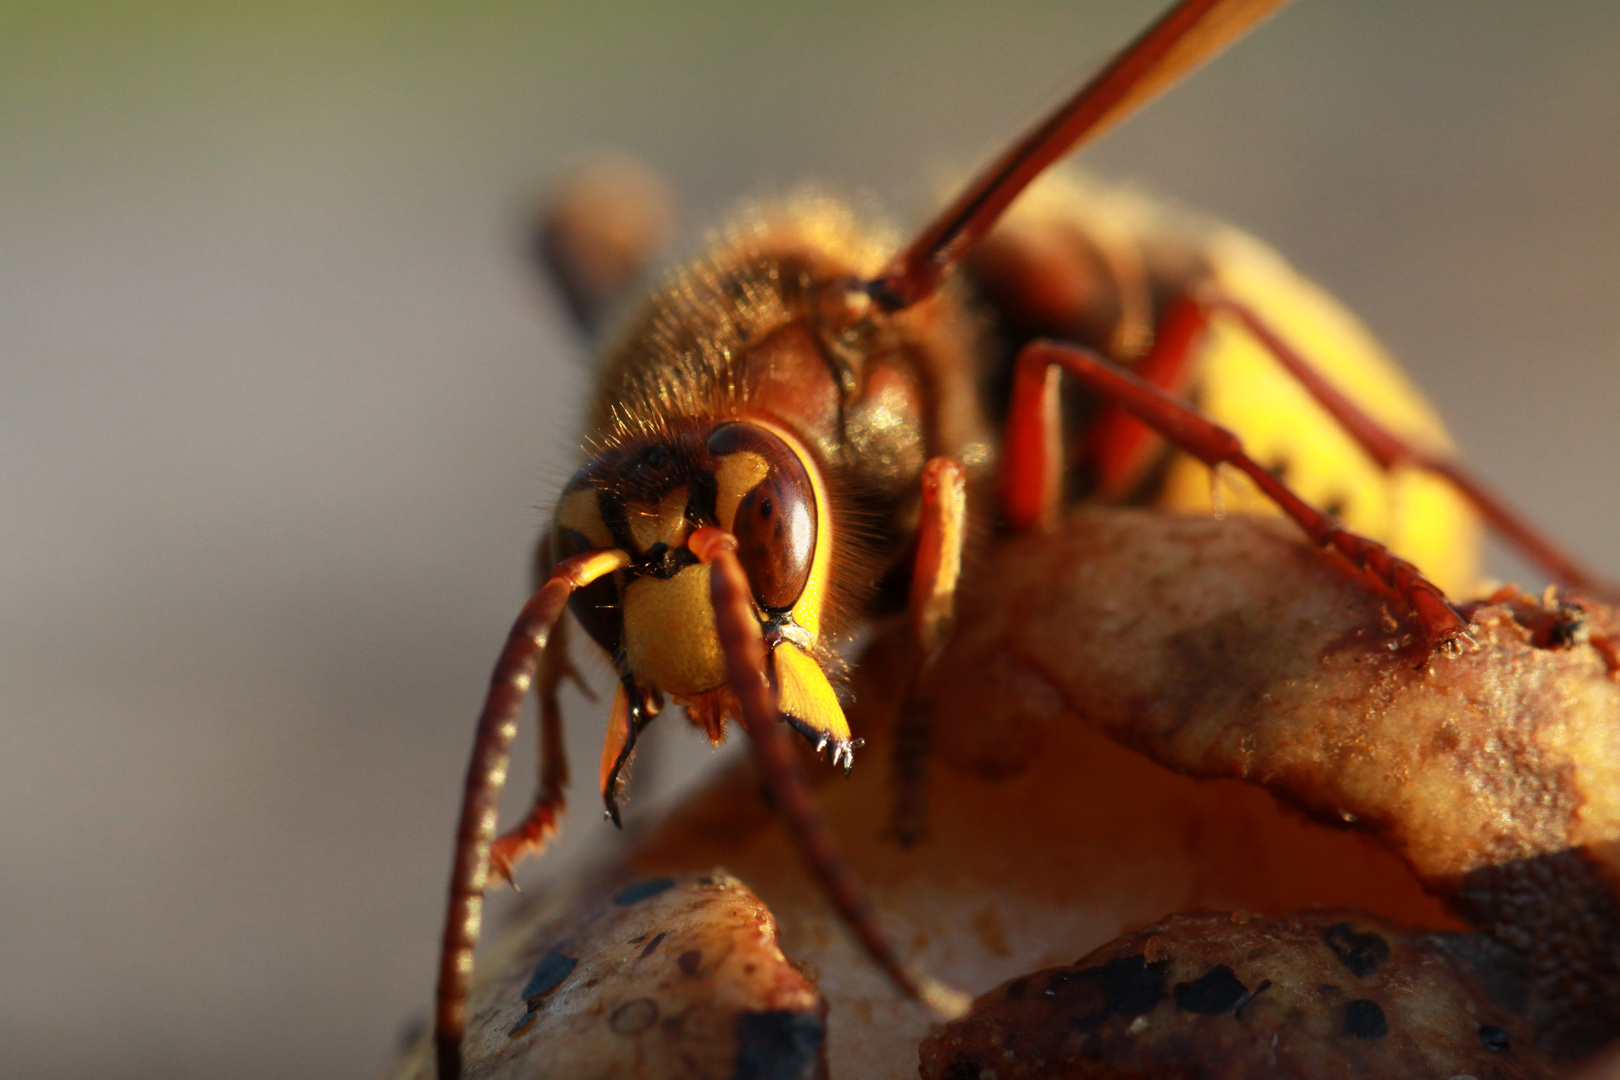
<point>530,836</point>
<point>932,606</point>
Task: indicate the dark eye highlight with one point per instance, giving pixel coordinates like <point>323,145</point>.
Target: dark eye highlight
<point>775,523</point>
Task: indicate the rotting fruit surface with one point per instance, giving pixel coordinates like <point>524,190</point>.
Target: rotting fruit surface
<point>1221,651</point>
<point>1226,996</point>
<point>1130,720</point>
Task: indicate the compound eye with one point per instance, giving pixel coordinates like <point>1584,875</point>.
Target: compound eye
<point>774,518</point>
<point>776,537</point>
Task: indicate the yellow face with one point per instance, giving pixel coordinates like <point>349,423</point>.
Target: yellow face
<point>655,618</point>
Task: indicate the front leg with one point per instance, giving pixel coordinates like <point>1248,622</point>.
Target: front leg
<point>530,836</point>
<point>932,605</point>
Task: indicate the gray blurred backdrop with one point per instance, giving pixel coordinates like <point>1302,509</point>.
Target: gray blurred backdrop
<point>279,402</point>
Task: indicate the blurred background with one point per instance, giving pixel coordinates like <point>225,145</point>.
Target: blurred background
<point>280,402</point>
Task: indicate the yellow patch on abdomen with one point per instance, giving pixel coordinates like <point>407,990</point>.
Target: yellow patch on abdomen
<point>1242,387</point>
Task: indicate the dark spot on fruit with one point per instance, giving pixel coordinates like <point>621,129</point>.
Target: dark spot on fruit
<point>653,944</point>
<point>1364,1019</point>
<point>1016,988</point>
<point>1128,987</point>
<point>634,1017</point>
<point>1132,986</point>
<point>1493,1038</point>
<point>777,1045</point>
<point>641,890</point>
<point>1361,953</point>
<point>961,1067</point>
<point>689,960</point>
<point>1213,993</point>
<point>1566,627</point>
<point>1265,984</point>
<point>553,969</point>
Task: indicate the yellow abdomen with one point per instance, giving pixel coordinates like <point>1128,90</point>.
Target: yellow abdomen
<point>1241,386</point>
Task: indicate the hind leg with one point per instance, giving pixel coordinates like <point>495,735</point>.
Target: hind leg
<point>1032,463</point>
<point>1391,452</point>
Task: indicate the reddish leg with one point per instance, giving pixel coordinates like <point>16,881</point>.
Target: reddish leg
<point>1120,447</point>
<point>1037,454</point>
<point>1117,445</point>
<point>939,553</point>
<point>779,766</point>
<point>933,600</point>
<point>481,791</point>
<point>1391,451</point>
<point>530,836</point>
